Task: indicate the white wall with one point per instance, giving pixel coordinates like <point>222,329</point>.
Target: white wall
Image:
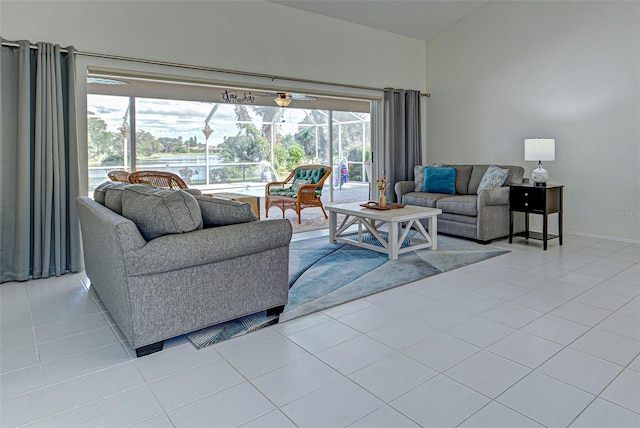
<point>563,70</point>
<point>252,36</point>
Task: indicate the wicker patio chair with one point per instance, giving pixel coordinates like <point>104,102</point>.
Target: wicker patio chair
<point>118,175</point>
<point>163,179</point>
<point>301,189</point>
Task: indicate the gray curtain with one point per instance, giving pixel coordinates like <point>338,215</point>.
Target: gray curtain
<point>39,171</point>
<point>402,139</point>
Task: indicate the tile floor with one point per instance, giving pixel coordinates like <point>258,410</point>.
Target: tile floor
<point>530,338</point>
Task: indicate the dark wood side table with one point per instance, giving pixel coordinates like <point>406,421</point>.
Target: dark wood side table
<point>530,199</point>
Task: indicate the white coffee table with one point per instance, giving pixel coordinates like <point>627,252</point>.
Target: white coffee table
<point>398,221</point>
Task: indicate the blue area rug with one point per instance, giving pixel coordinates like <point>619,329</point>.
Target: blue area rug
<point>322,275</point>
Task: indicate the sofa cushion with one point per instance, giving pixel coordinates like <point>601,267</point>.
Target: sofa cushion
<point>440,180</point>
<point>423,199</point>
<point>221,211</point>
<point>113,197</point>
<point>476,177</point>
<point>157,212</point>
<point>492,178</point>
<point>459,204</point>
<point>463,173</point>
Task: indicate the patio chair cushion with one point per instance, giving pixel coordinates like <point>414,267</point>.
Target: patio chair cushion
<point>157,212</point>
<point>222,212</point>
<point>309,174</point>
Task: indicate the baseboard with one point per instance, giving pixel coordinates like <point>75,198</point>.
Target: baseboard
<point>605,237</point>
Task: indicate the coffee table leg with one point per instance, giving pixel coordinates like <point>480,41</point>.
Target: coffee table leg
<point>433,231</point>
<point>393,240</point>
<point>333,224</point>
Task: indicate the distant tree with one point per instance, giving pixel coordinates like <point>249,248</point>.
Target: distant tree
<point>103,144</point>
<point>147,144</point>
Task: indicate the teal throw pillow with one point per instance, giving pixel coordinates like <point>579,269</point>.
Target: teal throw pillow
<point>440,180</point>
<point>493,177</point>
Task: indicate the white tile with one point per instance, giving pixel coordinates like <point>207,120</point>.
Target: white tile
<point>441,292</point>
<point>561,289</point>
<point>23,409</point>
<point>173,360</point>
<point>635,364</point>
<point>630,276</point>
<point>192,384</point>
<point>273,419</point>
<point>335,405</point>
<point>354,354</point>
<point>632,308</point>
<point>625,390</point>
<point>402,334</point>
<point>601,299</point>
<point>323,336</point>
<point>297,324</point>
<point>347,308</point>
<point>83,363</point>
<point>475,303</point>
<point>480,331</point>
<point>409,304</point>
<point>393,376</point>
<point>581,370</point>
<point>487,373</point>
<point>52,312</point>
<point>504,292</point>
<point>370,318</point>
<point>598,270</point>
<point>556,329</point>
<point>442,317</point>
<point>580,313</point>
<point>384,417</point>
<point>16,325</point>
<point>495,415</point>
<point>295,380</point>
<point>82,390</point>
<point>231,407</point>
<point>619,288</point>
<point>16,340</point>
<point>525,348</point>
<point>18,359</point>
<point>75,344</point>
<point>20,381</point>
<point>546,400</point>
<point>439,402</point>
<point>611,347</point>
<point>268,356</point>
<point>441,351</point>
<point>622,324</point>
<point>134,406</point>
<point>160,421</point>
<point>512,315</point>
<point>539,301</point>
<point>602,413</point>
<point>70,327</point>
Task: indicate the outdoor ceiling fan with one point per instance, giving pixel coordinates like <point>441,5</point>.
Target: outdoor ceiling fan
<point>283,99</point>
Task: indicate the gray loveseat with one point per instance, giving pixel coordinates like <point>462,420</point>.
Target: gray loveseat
<point>168,262</point>
<point>482,216</point>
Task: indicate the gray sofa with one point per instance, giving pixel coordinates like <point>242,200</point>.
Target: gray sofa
<point>482,216</point>
<point>168,262</point>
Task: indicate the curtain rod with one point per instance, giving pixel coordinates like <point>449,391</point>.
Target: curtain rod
<point>212,69</point>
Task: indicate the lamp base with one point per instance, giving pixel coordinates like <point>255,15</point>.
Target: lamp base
<point>539,176</point>
<point>540,184</point>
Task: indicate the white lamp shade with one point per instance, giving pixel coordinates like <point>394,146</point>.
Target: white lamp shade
<point>539,149</point>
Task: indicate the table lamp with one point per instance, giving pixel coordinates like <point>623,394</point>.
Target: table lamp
<point>539,149</point>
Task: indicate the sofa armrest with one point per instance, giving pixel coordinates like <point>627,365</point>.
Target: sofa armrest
<point>403,187</point>
<point>204,246</point>
<point>494,196</point>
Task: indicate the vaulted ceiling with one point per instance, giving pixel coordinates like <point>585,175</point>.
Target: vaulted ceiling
<point>418,19</point>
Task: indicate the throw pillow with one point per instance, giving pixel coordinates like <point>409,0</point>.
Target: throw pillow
<point>157,212</point>
<point>299,182</point>
<point>493,177</point>
<point>222,212</point>
<point>440,180</point>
